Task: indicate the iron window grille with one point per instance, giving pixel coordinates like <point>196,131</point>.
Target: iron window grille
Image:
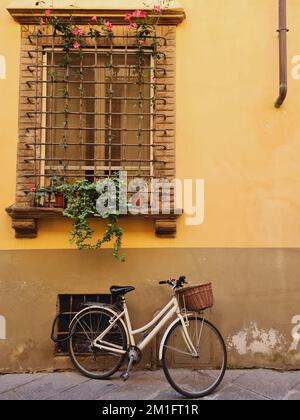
<point>69,306</point>
<point>89,114</point>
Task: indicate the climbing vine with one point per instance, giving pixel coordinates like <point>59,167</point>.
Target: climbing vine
<point>80,198</point>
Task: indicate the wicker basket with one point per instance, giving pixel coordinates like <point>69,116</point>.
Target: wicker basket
<point>196,298</point>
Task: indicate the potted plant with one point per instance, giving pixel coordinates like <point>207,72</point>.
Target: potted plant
<point>39,196</point>
<point>59,199</point>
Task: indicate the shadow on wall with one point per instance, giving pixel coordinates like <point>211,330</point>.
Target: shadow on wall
<point>2,67</point>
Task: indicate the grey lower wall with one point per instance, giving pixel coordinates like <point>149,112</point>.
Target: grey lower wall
<point>257,298</point>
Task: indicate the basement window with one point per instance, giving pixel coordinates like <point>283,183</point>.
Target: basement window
<point>70,305</point>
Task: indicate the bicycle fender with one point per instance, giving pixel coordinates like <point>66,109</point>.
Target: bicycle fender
<point>105,308</point>
<point>164,338</point>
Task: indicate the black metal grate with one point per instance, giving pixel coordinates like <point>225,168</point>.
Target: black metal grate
<point>90,113</point>
<point>70,305</point>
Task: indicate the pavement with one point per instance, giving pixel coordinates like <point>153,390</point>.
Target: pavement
<point>146,385</point>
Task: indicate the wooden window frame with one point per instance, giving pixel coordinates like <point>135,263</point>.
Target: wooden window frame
<point>24,217</point>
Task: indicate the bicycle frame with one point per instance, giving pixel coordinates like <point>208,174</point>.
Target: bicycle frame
<point>158,322</point>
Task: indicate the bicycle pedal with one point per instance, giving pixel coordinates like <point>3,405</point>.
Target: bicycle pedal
<point>125,376</point>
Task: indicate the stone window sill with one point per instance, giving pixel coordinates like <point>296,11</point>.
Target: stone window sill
<point>25,220</point>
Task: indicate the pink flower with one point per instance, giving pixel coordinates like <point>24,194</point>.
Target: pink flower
<point>132,25</point>
<point>108,25</point>
<point>31,189</point>
<point>158,8</point>
<point>77,31</point>
<point>42,23</point>
<point>76,45</point>
<point>48,12</point>
<point>137,13</point>
<point>94,18</point>
<point>141,42</point>
<point>143,14</point>
<point>128,16</point>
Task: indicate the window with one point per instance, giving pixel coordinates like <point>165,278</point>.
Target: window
<point>93,112</point>
<point>87,116</point>
<point>69,306</point>
<point>96,118</point>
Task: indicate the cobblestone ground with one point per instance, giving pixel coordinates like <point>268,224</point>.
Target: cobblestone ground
<point>146,385</point>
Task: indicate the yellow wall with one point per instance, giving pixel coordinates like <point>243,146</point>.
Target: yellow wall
<point>228,131</point>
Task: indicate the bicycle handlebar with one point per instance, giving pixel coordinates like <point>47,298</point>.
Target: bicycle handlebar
<point>175,283</point>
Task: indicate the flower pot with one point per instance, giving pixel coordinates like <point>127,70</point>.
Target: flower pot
<point>59,200</point>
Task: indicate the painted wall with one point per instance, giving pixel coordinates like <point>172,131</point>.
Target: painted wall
<point>230,135</point>
<point>245,149</point>
<point>256,298</point>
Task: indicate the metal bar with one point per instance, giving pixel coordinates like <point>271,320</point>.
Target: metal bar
<point>162,38</point>
<point>98,144</point>
<point>124,117</point>
<point>92,82</point>
<point>147,114</point>
<point>36,107</point>
<point>101,169</point>
<point>52,101</point>
<point>67,105</point>
<point>82,147</point>
<point>95,129</point>
<point>93,67</point>
<point>110,120</point>
<point>283,87</point>
<point>103,52</point>
<point>104,97</point>
<point>28,160</point>
<point>43,133</point>
<point>97,104</point>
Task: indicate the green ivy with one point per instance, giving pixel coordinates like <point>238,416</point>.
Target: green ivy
<point>81,198</point>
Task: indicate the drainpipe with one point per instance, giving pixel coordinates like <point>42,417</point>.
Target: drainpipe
<point>282,54</point>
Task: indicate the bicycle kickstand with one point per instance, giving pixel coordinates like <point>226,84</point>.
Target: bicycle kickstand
<point>125,375</point>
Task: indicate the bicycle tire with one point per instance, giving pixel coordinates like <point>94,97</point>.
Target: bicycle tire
<point>166,369</point>
<point>72,352</point>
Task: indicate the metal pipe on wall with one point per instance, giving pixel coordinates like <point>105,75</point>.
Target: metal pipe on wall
<point>282,30</point>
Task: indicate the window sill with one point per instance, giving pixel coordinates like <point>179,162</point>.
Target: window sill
<point>25,220</point>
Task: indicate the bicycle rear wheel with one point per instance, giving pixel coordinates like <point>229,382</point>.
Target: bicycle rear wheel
<point>91,361</point>
<point>194,376</point>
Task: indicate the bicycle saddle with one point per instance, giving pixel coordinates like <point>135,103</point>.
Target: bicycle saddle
<point>121,290</point>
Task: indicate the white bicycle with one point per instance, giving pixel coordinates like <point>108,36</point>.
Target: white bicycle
<point>192,350</point>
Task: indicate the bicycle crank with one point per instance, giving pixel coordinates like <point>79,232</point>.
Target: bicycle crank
<point>134,356</point>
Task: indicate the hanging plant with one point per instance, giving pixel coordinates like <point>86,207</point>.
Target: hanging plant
<point>80,200</point>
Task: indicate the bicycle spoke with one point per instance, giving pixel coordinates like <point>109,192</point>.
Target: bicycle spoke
<point>92,361</point>
<point>84,331</point>
<point>194,376</point>
<point>98,327</point>
<point>87,326</point>
<point>178,351</point>
<point>198,343</point>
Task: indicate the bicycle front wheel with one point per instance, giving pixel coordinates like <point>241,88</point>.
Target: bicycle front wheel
<point>194,375</point>
<point>91,361</point>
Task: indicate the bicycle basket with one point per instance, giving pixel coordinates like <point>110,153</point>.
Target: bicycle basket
<point>196,298</point>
